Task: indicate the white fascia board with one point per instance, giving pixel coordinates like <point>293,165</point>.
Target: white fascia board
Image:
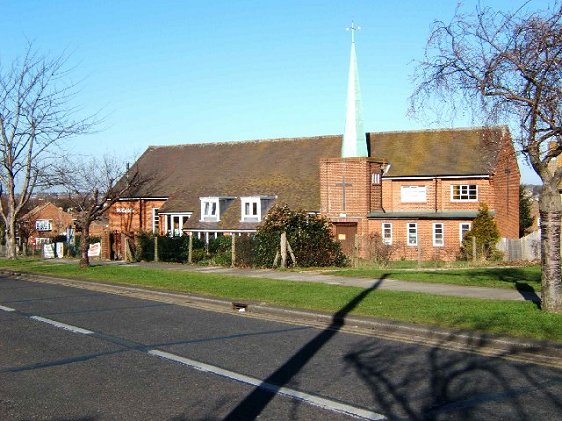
<point>444,177</point>
<point>123,199</point>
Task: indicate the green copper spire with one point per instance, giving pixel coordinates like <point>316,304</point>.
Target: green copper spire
<point>354,142</point>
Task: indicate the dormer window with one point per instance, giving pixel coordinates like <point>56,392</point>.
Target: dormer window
<point>254,207</point>
<point>209,209</point>
<point>213,207</point>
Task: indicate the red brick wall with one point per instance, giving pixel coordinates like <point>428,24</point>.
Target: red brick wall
<point>425,248</point>
<point>505,184</point>
<point>361,195</point>
<point>130,216</point>
<point>60,221</point>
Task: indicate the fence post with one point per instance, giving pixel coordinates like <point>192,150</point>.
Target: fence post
<point>473,248</point>
<point>190,249</point>
<point>156,258</point>
<point>232,250</point>
<point>284,250</point>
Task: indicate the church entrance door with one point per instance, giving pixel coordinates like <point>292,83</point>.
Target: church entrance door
<point>345,234</point>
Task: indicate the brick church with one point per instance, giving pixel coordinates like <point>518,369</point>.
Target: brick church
<point>417,191</point>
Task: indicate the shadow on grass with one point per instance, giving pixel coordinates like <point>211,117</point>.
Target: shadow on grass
<point>252,406</point>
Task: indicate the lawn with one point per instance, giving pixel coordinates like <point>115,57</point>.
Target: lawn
<point>493,277</point>
<point>516,318</point>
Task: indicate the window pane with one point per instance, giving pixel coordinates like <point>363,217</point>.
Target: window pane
<point>387,233</point>
<point>437,234</point>
<point>412,234</point>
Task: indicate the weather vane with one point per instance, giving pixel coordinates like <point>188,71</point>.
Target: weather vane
<point>353,28</point>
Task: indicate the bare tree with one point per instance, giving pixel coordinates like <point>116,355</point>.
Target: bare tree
<point>93,185</point>
<point>508,66</point>
<point>35,114</point>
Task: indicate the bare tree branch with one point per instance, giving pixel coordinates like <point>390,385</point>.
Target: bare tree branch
<point>507,66</point>
<point>36,113</point>
<point>93,186</point>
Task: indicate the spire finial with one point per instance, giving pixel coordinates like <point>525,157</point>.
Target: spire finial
<point>353,28</point>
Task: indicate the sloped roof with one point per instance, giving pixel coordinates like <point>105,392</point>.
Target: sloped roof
<point>289,168</point>
<point>47,208</point>
<point>444,152</point>
<point>286,168</point>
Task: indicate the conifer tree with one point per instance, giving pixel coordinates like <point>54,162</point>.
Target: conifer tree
<point>486,234</point>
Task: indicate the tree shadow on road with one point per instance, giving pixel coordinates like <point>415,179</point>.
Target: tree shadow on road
<point>413,382</point>
<point>252,406</point>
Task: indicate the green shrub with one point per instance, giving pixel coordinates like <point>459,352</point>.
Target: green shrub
<point>310,237</point>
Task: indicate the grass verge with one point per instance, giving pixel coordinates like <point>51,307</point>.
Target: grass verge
<point>492,277</point>
<point>516,318</point>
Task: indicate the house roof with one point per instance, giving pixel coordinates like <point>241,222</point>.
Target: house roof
<point>285,168</point>
<point>443,152</point>
<point>288,169</point>
<point>46,210</point>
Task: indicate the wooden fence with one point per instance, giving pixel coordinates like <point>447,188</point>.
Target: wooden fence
<point>525,248</point>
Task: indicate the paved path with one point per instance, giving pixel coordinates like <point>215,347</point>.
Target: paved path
<point>387,284</point>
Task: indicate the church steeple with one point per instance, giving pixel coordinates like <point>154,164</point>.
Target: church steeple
<point>354,142</point>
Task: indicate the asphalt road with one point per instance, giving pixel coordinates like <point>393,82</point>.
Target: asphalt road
<point>74,354</point>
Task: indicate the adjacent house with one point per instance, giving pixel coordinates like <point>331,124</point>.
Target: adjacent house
<point>43,223</point>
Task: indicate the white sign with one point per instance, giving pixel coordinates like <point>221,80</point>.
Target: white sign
<point>94,250</point>
<point>413,194</point>
<point>124,210</point>
<point>60,250</point>
<point>49,251</point>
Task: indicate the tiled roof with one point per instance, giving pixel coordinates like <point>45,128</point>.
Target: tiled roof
<point>289,168</point>
<point>286,168</point>
<point>446,152</point>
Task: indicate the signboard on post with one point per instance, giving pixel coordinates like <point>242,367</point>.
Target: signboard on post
<point>94,250</point>
<point>60,250</point>
<point>49,251</point>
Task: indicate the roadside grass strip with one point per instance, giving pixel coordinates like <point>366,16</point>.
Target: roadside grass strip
<point>318,401</point>
<point>513,318</point>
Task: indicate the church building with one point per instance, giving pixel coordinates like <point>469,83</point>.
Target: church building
<point>417,191</point>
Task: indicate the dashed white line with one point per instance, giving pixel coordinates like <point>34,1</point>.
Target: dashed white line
<point>318,401</point>
<point>64,326</point>
<point>295,394</point>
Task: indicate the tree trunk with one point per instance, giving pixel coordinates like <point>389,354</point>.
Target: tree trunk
<point>550,208</point>
<point>10,236</point>
<point>84,246</point>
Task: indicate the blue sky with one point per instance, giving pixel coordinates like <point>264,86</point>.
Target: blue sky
<point>168,72</point>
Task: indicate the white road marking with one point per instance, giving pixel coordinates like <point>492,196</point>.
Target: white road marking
<point>64,326</point>
<point>7,308</point>
<point>295,394</point>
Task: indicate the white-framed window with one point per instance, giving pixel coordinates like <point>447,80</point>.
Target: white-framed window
<point>251,209</point>
<point>375,178</point>
<point>387,233</point>
<point>40,241</point>
<point>464,227</point>
<point>155,221</point>
<point>464,193</point>
<point>173,223</point>
<point>43,225</point>
<point>413,194</point>
<point>438,235</point>
<point>210,210</point>
<point>412,239</point>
